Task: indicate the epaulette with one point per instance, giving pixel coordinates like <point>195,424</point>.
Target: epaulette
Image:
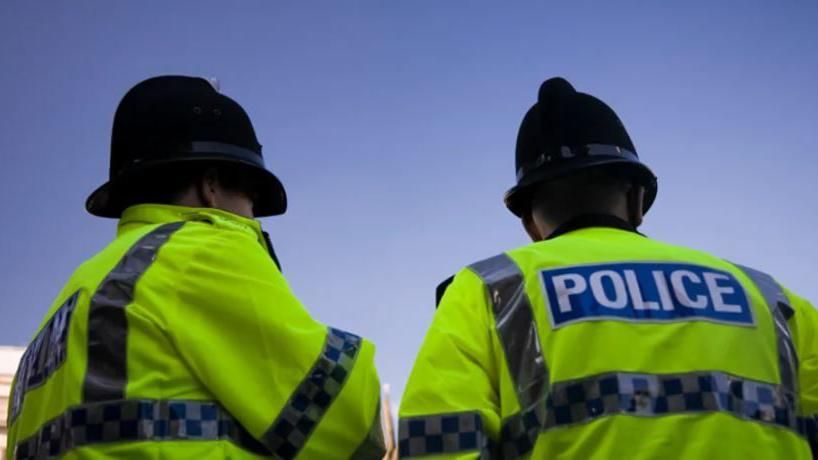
<point>441,289</point>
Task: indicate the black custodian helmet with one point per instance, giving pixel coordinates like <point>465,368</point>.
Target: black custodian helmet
<point>565,132</point>
<point>174,121</point>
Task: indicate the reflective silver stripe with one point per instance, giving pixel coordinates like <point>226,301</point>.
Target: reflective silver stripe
<point>106,375</point>
<point>443,434</point>
<point>514,321</point>
<point>373,447</point>
<point>134,421</point>
<point>289,433</point>
<point>777,302</point>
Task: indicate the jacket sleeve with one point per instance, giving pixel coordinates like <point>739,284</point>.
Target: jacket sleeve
<point>805,327</point>
<point>297,386</point>
<point>450,407</point>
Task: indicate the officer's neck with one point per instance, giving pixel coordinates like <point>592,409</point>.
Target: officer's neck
<point>587,221</point>
<point>624,214</point>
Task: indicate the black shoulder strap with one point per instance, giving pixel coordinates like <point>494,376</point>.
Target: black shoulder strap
<point>441,289</point>
<point>271,250</point>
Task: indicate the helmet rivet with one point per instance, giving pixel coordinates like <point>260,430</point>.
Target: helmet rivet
<point>197,110</point>
<point>566,152</point>
<point>217,112</point>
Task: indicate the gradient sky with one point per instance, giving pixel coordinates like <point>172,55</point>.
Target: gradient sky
<point>392,124</point>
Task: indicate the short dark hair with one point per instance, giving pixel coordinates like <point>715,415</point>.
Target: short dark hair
<point>166,185</point>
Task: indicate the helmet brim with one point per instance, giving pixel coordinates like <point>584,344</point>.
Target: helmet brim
<point>108,200</point>
<point>518,198</point>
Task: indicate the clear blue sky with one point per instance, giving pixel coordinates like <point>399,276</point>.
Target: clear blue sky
<point>392,125</point>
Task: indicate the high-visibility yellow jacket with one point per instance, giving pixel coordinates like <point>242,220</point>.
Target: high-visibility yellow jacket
<point>181,339</point>
<point>604,344</point>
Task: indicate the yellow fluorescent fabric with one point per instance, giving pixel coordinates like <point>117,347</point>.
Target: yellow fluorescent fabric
<point>804,326</point>
<point>461,365</point>
<point>212,319</point>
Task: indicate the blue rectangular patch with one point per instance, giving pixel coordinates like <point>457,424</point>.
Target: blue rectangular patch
<point>645,291</point>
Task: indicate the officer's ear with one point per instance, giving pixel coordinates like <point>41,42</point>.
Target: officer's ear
<point>207,188</point>
<point>636,202</point>
<point>531,228</point>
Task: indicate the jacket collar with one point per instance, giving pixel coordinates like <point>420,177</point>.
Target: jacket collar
<point>148,214</point>
<point>592,220</point>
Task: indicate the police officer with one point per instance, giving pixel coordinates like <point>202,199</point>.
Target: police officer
<point>182,339</point>
<point>595,342</point>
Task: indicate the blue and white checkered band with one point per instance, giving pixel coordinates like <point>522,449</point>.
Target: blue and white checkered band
<point>579,151</point>
<point>662,394</point>
<point>44,355</point>
<point>289,433</point>
<point>655,292</point>
<point>652,395</point>
<point>443,434</point>
<point>133,421</point>
<point>604,395</point>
